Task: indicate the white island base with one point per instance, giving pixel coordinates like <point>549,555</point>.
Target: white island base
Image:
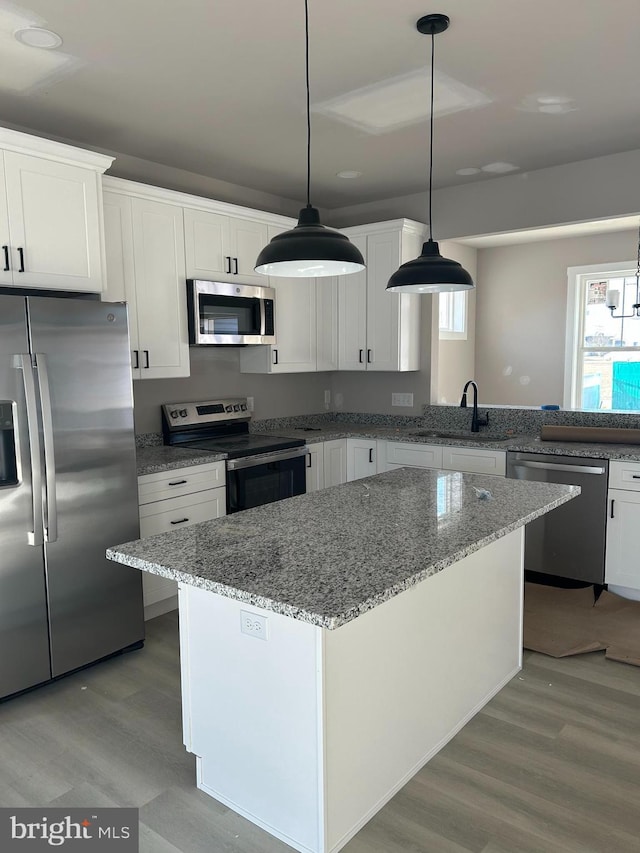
<point>308,733</point>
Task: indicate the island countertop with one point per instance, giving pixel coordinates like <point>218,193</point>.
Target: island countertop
<point>329,556</point>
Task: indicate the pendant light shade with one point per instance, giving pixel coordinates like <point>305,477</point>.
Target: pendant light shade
<point>430,273</point>
<point>310,249</point>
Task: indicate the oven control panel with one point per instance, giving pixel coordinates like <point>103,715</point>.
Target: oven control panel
<point>180,415</point>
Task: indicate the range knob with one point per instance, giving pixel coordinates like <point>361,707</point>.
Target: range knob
<point>228,408</point>
<point>243,406</point>
<point>236,408</point>
<point>174,413</point>
<point>183,413</point>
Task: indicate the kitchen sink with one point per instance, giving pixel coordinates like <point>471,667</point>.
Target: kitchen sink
<point>461,436</point>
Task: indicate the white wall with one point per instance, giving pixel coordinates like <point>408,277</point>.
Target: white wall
<point>521,312</point>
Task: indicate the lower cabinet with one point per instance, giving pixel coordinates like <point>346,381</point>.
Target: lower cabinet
<point>361,458</point>
<point>326,464</point>
<point>470,460</point>
<point>622,568</point>
<point>171,500</point>
<point>315,467</point>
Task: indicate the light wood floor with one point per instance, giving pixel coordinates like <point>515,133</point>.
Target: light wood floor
<point>551,765</point>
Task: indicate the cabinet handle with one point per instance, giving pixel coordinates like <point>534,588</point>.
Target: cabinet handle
<point>235,264</point>
<point>361,353</point>
<point>635,476</point>
<point>146,357</point>
<point>228,260</point>
<point>371,454</point>
<point>5,249</point>
<point>137,355</point>
<point>309,461</point>
<point>275,356</point>
<point>179,521</point>
<point>21,253</point>
<point>368,356</point>
<point>612,503</point>
<point>177,482</point>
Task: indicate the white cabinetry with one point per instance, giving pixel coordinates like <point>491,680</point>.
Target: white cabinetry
<point>361,458</point>
<point>622,567</point>
<point>379,330</point>
<point>146,268</point>
<point>171,500</point>
<point>315,467</point>
<point>50,214</point>
<point>223,248</point>
<point>335,462</point>
<point>306,327</point>
<point>470,460</point>
<point>474,460</point>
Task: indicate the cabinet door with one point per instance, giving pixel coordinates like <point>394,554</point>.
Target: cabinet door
<point>327,323</point>
<point>474,460</point>
<point>315,467</point>
<point>352,316</point>
<point>622,567</point>
<point>54,214</point>
<point>295,310</point>
<point>247,239</point>
<point>120,277</point>
<point>393,319</point>
<point>158,244</point>
<point>6,272</point>
<point>206,241</point>
<point>335,462</point>
<point>361,458</point>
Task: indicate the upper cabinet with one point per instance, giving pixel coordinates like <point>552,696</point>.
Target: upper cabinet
<point>223,248</point>
<point>379,330</point>
<point>50,214</point>
<point>305,325</point>
<point>146,268</point>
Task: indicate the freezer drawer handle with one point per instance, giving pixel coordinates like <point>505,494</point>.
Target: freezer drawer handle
<point>179,521</point>
<point>5,249</point>
<point>177,482</point>
<point>23,362</point>
<point>21,253</point>
<point>51,514</point>
<point>550,466</point>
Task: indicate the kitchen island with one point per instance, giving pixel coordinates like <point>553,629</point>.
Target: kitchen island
<point>334,642</point>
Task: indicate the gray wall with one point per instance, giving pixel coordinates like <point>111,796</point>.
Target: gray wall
<point>521,313</point>
<point>215,373</point>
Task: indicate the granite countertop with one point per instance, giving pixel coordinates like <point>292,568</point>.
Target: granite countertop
<point>329,556</point>
<point>151,460</point>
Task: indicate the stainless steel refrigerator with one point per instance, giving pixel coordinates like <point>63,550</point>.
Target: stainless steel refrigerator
<point>68,488</point>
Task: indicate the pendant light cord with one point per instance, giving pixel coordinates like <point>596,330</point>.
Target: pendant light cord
<point>433,48</point>
<point>306,36</point>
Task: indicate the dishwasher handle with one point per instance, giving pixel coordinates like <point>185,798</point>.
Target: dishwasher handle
<point>558,466</point>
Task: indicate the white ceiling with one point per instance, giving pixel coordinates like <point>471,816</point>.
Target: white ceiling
<point>216,87</point>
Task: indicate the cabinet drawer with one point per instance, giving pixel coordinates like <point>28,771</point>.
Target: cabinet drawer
<point>414,455</point>
<point>180,481</point>
<point>175,513</point>
<point>474,460</point>
<point>624,475</point>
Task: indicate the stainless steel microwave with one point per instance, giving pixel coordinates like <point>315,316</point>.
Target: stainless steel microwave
<point>234,314</point>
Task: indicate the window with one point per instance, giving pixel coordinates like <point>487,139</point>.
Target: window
<point>453,315</point>
<point>603,352</point>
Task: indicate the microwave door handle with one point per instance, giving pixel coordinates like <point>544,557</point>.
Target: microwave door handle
<point>263,318</point>
<point>23,362</point>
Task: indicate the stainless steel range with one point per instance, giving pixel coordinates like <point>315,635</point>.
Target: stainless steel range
<point>260,468</point>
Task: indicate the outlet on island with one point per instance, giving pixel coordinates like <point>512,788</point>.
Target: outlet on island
<point>254,625</point>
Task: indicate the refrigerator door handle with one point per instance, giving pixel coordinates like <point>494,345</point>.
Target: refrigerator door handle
<point>51,515</point>
<point>22,362</point>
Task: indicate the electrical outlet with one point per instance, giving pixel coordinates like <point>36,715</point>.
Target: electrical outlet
<point>327,400</point>
<point>254,625</point>
<point>402,399</point>
<point>249,404</point>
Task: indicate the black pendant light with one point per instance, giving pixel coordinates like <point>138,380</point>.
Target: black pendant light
<point>430,273</point>
<point>309,250</point>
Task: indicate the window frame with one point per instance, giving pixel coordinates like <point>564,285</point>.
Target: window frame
<point>447,333</point>
<point>574,335</point>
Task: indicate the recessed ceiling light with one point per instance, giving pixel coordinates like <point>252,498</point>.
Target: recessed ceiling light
<point>38,37</point>
<point>551,104</point>
<point>471,170</point>
<point>498,168</point>
<point>349,174</point>
<point>553,99</point>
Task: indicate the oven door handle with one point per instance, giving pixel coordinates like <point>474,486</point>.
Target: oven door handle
<point>265,458</point>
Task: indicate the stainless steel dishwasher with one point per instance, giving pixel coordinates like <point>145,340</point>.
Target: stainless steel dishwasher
<point>570,541</point>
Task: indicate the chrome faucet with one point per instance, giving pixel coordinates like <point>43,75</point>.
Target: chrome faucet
<point>476,420</point>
